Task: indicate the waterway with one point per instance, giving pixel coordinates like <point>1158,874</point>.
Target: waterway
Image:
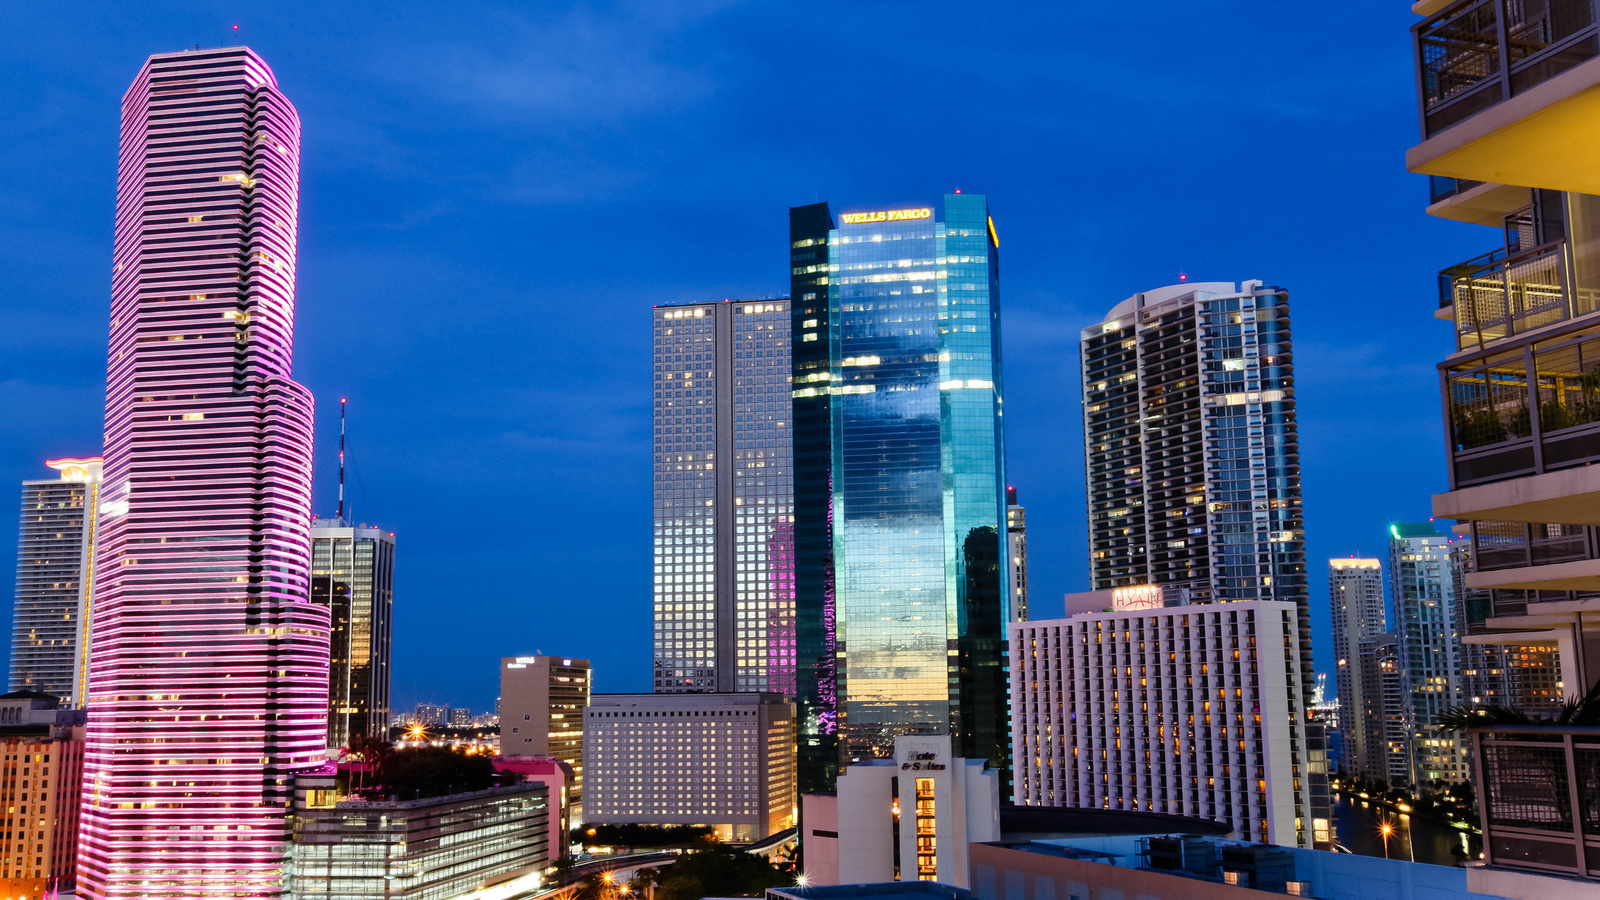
<point>1359,825</point>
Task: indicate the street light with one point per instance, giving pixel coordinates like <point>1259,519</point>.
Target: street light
<point>1386,829</point>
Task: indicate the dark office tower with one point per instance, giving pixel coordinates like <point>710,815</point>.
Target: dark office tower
<point>900,482</point>
<point>723,517</point>
<point>1193,457</point>
<point>813,505</point>
<point>352,573</point>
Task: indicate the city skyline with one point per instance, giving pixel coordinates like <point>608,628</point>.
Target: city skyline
<point>387,472</point>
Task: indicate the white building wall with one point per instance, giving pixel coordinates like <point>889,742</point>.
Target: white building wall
<point>1148,709</point>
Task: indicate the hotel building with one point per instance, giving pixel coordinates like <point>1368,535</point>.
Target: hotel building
<point>542,699</point>
<point>1355,591</point>
<point>352,574</point>
<point>1184,710</point>
<point>901,545</point>
<point>724,498</point>
<point>725,760</point>
<point>209,688</point>
<point>56,538</point>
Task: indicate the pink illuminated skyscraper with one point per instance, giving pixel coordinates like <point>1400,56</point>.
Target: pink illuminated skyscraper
<point>209,665</point>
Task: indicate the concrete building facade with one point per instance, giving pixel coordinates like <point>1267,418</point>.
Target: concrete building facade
<point>725,760</point>
<point>542,699</point>
<point>907,818</point>
<point>1187,710</point>
<point>41,787</point>
<point>56,539</point>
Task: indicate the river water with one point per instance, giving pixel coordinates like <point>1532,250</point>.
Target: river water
<point>1358,823</point>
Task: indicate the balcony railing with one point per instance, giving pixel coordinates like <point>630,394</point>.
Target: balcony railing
<point>1477,53</point>
<point>1497,295</point>
<point>1539,790</point>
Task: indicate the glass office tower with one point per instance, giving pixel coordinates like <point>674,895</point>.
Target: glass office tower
<point>900,502</point>
<point>56,538</point>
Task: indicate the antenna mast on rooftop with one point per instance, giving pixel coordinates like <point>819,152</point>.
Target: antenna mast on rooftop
<point>342,402</point>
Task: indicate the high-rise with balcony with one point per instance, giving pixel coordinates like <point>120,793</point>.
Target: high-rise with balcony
<point>1193,455</point>
<point>56,538</point>
<point>1508,112</point>
<point>1422,595</point>
<point>1355,593</point>
<point>900,506</point>
<point>352,574</point>
<point>724,498</point>
<point>209,687</point>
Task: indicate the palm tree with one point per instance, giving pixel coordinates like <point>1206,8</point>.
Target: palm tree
<point>1548,786</point>
<point>1575,712</point>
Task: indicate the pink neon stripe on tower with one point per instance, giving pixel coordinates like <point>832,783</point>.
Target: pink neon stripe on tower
<point>209,665</point>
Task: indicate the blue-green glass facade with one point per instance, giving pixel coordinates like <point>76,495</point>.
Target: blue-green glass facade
<point>902,628</point>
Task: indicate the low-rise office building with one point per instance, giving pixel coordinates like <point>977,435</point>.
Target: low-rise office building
<point>41,783</point>
<point>429,849</point>
<point>724,760</point>
<point>909,818</point>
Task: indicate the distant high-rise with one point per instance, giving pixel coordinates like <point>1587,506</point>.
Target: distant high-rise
<point>542,699</point>
<point>1355,592</point>
<point>1424,604</point>
<point>209,687</point>
<point>1017,543</point>
<point>352,574</point>
<point>1193,453</point>
<point>724,506</point>
<point>55,581</point>
<point>900,507</point>
<point>1385,723</point>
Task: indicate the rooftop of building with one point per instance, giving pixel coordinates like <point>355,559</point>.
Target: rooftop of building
<point>1022,823</point>
<point>1355,563</point>
<point>33,695</point>
<point>684,701</point>
<point>932,890</point>
<point>1262,867</point>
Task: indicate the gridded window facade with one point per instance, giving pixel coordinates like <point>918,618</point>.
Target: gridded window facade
<point>55,578</point>
<point>1192,448</point>
<point>904,626</point>
<point>1429,642</point>
<point>1177,710</point>
<point>1355,593</point>
<point>724,498</point>
<point>722,760</point>
<point>430,849</point>
<point>352,573</point>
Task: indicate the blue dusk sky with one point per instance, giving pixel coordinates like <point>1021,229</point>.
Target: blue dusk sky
<point>493,197</point>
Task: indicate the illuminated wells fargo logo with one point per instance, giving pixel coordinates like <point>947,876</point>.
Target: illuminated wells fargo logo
<point>887,215</point>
